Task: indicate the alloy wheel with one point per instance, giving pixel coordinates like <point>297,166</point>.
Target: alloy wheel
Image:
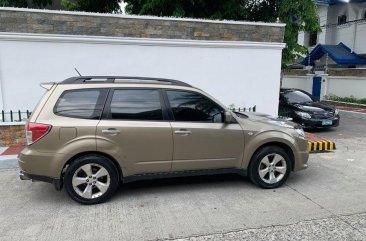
<point>272,168</point>
<point>91,181</point>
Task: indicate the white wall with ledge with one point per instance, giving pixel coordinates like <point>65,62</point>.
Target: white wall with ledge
<point>234,72</point>
<point>345,86</point>
<point>298,82</point>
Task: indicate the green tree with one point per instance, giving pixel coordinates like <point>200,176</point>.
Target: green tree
<point>24,3</point>
<point>100,6</point>
<point>14,3</point>
<point>299,15</point>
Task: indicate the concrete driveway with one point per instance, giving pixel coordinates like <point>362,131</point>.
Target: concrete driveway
<point>325,202</point>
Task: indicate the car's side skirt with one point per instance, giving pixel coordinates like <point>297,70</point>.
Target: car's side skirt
<point>189,173</point>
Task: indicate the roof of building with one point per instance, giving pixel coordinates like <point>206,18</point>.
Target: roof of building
<point>340,54</point>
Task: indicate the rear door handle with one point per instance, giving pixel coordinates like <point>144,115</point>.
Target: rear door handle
<point>183,132</point>
<point>111,131</point>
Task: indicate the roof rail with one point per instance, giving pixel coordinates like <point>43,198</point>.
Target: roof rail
<point>120,79</point>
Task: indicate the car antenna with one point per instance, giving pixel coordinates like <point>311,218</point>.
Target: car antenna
<point>77,71</point>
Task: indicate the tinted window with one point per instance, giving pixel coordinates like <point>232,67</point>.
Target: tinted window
<point>297,97</point>
<point>313,37</point>
<point>136,105</point>
<point>342,19</point>
<point>86,104</point>
<point>189,106</point>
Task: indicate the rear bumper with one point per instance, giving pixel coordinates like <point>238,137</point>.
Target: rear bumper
<point>57,182</point>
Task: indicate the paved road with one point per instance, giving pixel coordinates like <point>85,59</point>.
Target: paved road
<point>325,202</point>
<point>351,125</point>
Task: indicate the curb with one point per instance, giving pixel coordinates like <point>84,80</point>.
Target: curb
<point>8,157</point>
<point>321,145</point>
<point>345,104</point>
<point>11,150</point>
<point>353,112</point>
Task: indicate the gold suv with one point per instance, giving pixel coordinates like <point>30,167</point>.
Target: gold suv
<point>90,133</point>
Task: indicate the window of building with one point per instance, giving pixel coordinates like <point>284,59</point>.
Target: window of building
<point>134,104</point>
<point>342,19</point>
<point>193,107</point>
<point>85,104</point>
<point>313,38</point>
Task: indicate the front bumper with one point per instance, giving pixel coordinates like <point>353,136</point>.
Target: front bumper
<point>57,182</point>
<point>316,123</point>
<point>301,161</point>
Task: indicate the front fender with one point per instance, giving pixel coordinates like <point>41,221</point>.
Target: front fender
<point>253,143</point>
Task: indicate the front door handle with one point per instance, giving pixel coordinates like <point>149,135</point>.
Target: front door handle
<point>111,131</point>
<point>183,132</point>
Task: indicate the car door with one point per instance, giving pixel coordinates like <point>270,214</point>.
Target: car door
<point>201,138</point>
<point>136,132</point>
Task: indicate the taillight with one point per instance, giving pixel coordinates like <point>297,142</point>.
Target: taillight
<point>35,131</point>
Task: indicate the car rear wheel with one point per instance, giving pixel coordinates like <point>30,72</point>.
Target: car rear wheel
<point>91,179</point>
<point>270,167</point>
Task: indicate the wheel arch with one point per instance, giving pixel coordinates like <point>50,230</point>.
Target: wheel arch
<point>86,153</point>
<point>282,145</point>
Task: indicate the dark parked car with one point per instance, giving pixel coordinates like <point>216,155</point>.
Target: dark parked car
<point>306,109</point>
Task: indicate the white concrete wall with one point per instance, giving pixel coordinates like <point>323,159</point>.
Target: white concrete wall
<point>301,38</point>
<point>298,82</point>
<point>360,46</point>
<point>323,17</point>
<point>345,86</point>
<point>240,73</point>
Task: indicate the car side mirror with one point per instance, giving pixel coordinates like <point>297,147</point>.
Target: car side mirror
<point>228,118</point>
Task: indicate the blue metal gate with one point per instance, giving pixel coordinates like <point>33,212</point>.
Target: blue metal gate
<point>317,82</point>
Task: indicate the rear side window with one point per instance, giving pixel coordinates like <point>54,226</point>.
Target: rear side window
<point>132,104</point>
<point>85,104</point>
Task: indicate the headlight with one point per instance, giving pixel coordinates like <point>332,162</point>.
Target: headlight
<point>301,133</point>
<point>336,112</point>
<point>303,114</point>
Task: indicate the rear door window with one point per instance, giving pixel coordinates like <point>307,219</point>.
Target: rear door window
<point>136,104</point>
<point>85,104</point>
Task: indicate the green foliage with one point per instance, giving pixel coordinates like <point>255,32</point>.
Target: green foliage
<point>100,6</point>
<point>14,3</point>
<point>24,3</point>
<point>350,99</point>
<point>299,15</point>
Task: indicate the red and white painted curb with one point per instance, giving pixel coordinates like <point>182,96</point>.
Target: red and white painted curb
<point>10,152</point>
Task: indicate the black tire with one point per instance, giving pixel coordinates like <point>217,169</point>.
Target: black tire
<point>253,170</point>
<point>95,161</point>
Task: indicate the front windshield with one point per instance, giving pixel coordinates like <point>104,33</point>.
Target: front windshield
<point>296,97</point>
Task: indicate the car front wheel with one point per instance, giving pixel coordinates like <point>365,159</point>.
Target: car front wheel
<point>270,167</point>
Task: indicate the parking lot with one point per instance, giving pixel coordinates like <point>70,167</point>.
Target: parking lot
<point>325,202</point>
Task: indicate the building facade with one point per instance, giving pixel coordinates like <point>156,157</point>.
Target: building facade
<point>340,21</point>
<point>336,63</point>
